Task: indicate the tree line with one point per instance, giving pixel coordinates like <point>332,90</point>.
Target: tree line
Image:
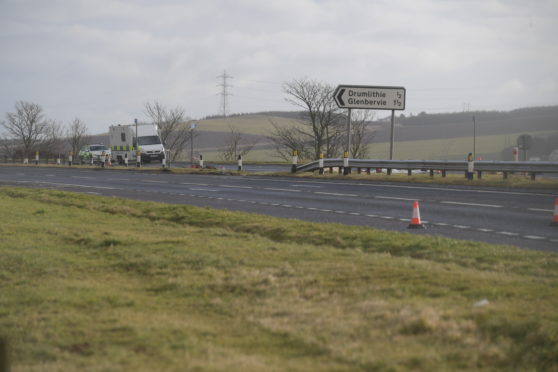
<point>320,129</point>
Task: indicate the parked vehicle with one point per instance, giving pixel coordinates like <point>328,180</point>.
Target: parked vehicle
<point>123,144</point>
<point>93,153</point>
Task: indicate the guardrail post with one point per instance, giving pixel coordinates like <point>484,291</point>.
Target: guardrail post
<point>368,171</point>
<point>431,173</point>
<point>346,168</point>
<point>138,159</point>
<point>479,174</point>
<point>201,161</point>
<point>103,159</point>
<point>295,161</point>
<point>443,173</point>
<point>470,166</point>
<point>70,158</point>
<point>239,163</point>
<point>505,175</point>
<point>58,160</point>
<point>321,163</point>
<point>389,171</point>
<point>126,160</point>
<point>409,172</point>
<point>533,176</point>
<point>36,158</point>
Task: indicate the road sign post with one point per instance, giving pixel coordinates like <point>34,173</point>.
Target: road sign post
<point>370,98</point>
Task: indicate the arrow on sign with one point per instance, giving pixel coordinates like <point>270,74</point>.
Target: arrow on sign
<point>340,97</point>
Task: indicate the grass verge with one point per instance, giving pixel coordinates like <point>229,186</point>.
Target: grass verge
<point>101,284</point>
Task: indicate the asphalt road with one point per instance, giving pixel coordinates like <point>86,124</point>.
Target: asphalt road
<point>516,217</point>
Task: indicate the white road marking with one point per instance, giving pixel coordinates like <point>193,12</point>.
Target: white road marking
<point>273,189</point>
<point>540,210</point>
<point>85,178</point>
<point>152,181</point>
<point>316,187</point>
<point>485,230</point>
<point>473,204</point>
<point>334,194</point>
<point>394,198</point>
<point>210,190</point>
<point>461,226</point>
<point>195,184</point>
<point>533,237</point>
<point>507,233</point>
<point>236,187</point>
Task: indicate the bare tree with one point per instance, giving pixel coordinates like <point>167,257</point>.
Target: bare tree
<point>321,121</point>
<point>361,135</point>
<point>76,135</point>
<point>235,145</point>
<point>173,127</point>
<point>27,125</point>
<point>53,143</point>
<point>289,139</point>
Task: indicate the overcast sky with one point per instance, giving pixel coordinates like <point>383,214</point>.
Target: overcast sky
<point>101,60</point>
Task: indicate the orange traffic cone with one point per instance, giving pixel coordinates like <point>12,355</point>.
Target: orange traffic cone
<point>555,217</point>
<point>415,221</point>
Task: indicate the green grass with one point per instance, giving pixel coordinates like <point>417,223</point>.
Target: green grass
<point>104,284</point>
<point>449,148</point>
<point>487,147</point>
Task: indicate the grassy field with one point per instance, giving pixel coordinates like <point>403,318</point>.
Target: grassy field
<point>450,148</point>
<point>103,284</point>
<point>253,124</point>
<point>488,147</point>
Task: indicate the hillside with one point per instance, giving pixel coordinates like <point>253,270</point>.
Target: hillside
<point>424,136</point>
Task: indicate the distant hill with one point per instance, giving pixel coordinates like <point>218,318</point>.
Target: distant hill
<point>439,134</point>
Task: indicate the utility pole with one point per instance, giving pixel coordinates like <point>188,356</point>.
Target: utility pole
<point>192,127</point>
<point>224,104</point>
<point>474,137</point>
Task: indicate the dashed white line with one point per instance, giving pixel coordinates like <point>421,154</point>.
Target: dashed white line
<point>507,233</point>
<point>473,204</point>
<point>485,230</point>
<point>152,181</point>
<point>534,237</point>
<point>335,194</point>
<point>394,198</point>
<point>274,189</point>
<point>236,187</point>
<point>84,178</point>
<point>315,187</point>
<point>195,184</point>
<point>461,226</point>
<point>540,210</point>
<point>210,190</point>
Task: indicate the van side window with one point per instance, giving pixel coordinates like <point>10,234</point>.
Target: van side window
<point>123,137</point>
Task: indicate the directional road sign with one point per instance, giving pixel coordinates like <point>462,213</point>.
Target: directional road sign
<point>370,97</point>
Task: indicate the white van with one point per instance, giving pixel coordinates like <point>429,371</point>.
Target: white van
<point>123,144</point>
